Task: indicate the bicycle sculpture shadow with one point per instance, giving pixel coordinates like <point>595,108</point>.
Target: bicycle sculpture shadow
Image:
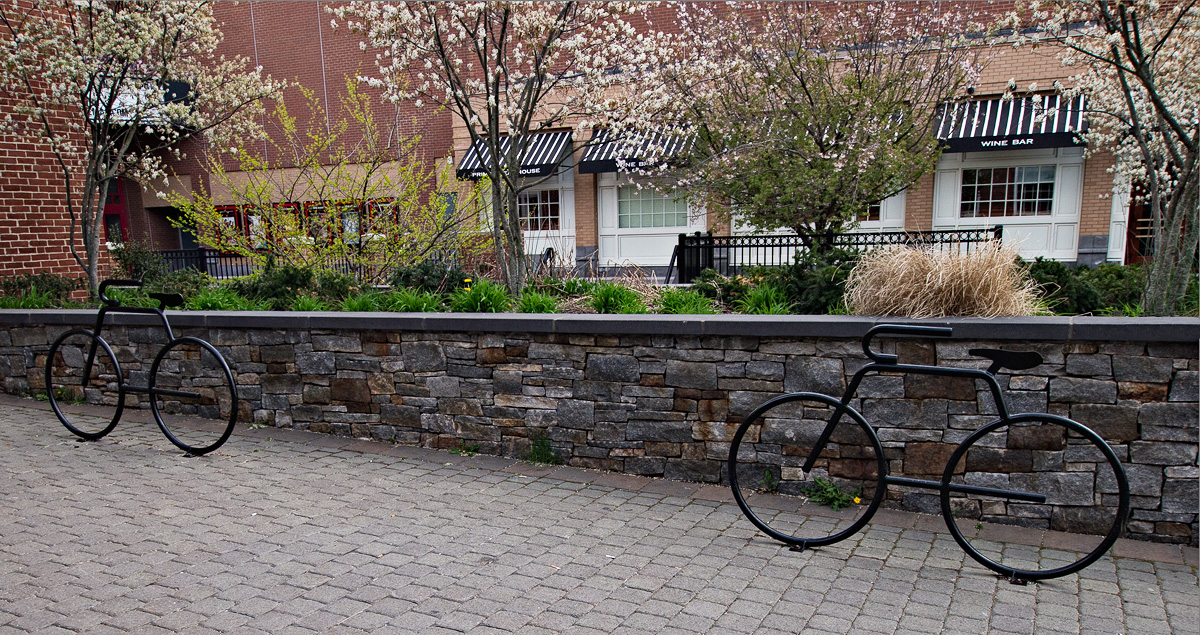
<point>187,377</point>
<point>1040,470</point>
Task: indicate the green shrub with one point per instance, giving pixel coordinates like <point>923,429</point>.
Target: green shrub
<point>51,285</point>
<point>186,282</point>
<point>277,285</point>
<point>540,450</point>
<point>220,298</point>
<point>306,302</point>
<point>1063,289</point>
<point>412,301</point>
<point>1117,285</point>
<point>684,302</point>
<point>815,284</point>
<point>484,296</point>
<point>138,261</point>
<point>368,301</point>
<point>723,289</point>
<point>609,297</point>
<point>765,299</point>
<point>430,276</point>
<point>335,287</point>
<point>534,302</point>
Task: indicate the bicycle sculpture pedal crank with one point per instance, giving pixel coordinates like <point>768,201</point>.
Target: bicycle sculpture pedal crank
<point>1030,496</point>
<point>187,377</point>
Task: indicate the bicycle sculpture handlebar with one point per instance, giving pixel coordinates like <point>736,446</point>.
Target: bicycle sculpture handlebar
<point>116,282</point>
<point>899,329</point>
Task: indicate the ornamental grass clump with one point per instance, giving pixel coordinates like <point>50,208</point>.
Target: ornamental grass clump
<point>986,282</point>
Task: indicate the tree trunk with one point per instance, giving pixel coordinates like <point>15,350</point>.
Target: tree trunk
<point>1174,252</point>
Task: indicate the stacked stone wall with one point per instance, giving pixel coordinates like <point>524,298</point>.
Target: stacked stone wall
<point>667,405</point>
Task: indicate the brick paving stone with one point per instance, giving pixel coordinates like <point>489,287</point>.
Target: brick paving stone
<point>291,532</point>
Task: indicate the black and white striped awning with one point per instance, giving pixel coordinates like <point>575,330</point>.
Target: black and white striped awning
<point>1039,121</point>
<point>603,154</point>
<point>542,157</point>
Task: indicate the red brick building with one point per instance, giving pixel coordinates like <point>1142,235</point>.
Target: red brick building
<point>1074,212</point>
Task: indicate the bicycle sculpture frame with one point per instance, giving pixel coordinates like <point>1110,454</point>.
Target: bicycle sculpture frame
<point>188,376</point>
<point>802,444</point>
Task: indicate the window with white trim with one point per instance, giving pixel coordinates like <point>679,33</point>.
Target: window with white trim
<point>1013,191</point>
<point>538,210</point>
<point>647,207</point>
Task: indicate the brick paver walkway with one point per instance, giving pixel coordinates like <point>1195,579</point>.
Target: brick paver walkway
<point>289,532</point>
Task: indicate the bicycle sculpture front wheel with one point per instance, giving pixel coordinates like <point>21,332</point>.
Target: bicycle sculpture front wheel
<point>81,369</point>
<point>192,395</point>
<point>829,502</point>
<point>1059,497</point>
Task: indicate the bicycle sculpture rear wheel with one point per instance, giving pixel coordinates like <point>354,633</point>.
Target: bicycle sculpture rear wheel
<point>1085,489</point>
<point>828,503</point>
<point>189,380</point>
<point>71,380</point>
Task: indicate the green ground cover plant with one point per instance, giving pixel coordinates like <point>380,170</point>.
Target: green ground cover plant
<point>610,297</point>
<point>684,302</point>
<point>483,296</point>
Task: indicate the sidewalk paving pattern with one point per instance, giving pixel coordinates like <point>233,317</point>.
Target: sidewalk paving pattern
<point>291,532</point>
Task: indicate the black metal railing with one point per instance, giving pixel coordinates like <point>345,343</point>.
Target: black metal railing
<point>730,255</point>
<point>209,261</point>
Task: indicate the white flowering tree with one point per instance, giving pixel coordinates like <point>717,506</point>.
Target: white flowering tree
<point>807,113</point>
<point>1137,63</point>
<point>514,69</point>
<point>113,88</point>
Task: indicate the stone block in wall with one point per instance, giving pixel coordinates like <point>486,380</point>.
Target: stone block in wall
<point>645,465</point>
<point>1144,480</point>
<point>1167,433</point>
<point>282,353</point>
<point>1185,386</point>
<point>575,413</point>
<point>1142,369</point>
<point>933,387</point>
<point>657,430</point>
<point>1041,437</point>
<point>998,460</point>
<point>1179,415</point>
<point>926,458</point>
<point>612,368</point>
<point>337,343</point>
<point>1180,496</point>
<point>1075,390</point>
<point>1027,382</point>
<point>814,374</point>
<point>1089,365</point>
<point>906,413</point>
<point>1136,391</point>
<point>443,386</point>
<point>692,470</point>
<point>423,356</point>
<point>350,390</point>
<point>687,374</point>
<point>1114,424</point>
<point>1162,453</point>
<point>320,363</point>
<point>30,336</point>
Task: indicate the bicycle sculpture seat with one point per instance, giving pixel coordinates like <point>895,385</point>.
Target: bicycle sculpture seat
<point>188,376</point>
<point>809,470</point>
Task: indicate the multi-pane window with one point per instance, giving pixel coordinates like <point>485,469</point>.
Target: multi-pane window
<point>647,207</point>
<point>1017,191</point>
<point>872,213</point>
<point>538,210</point>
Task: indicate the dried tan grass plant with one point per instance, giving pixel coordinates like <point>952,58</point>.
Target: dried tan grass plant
<point>986,282</point>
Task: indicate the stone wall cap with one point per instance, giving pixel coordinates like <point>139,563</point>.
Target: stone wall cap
<point>1044,328</point>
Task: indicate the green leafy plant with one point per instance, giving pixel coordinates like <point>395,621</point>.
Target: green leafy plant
<point>826,492</point>
<point>430,276</point>
<point>368,301</point>
<point>684,302</point>
<point>31,299</point>
<point>57,287</point>
<point>535,302</point>
<point>128,296</point>
<point>334,286</point>
<point>484,296</point>
<point>465,450</point>
<point>185,282</point>
<point>1065,291</point>
<point>306,302</point>
<point>609,297</point>
<point>723,289</point>
<point>566,287</point>
<point>769,484</point>
<point>540,450</point>
<point>1117,285</point>
<point>815,283</point>
<point>222,298</point>
<point>412,301</point>
<point>765,299</point>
